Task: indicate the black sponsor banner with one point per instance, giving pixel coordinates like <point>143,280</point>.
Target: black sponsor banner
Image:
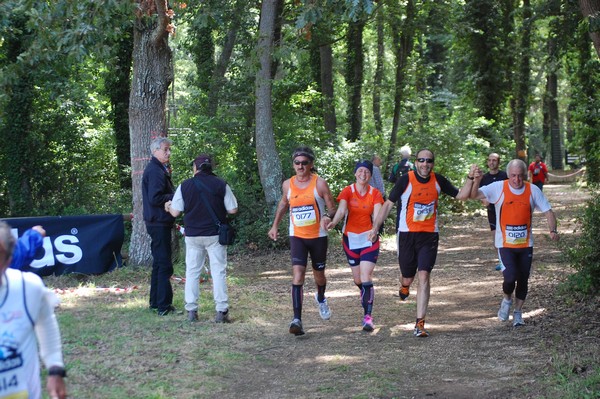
<point>75,244</point>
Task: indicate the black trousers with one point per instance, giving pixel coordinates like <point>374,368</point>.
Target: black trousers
<point>161,292</point>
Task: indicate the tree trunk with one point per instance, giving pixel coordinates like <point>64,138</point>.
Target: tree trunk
<point>378,78</point>
<point>321,61</point>
<point>152,75</point>
<point>218,77</point>
<point>118,87</point>
<point>521,92</point>
<point>269,164</point>
<point>354,78</point>
<point>403,34</point>
<point>488,27</point>
<point>553,116</point>
<point>591,10</point>
<point>327,91</point>
<point>277,35</point>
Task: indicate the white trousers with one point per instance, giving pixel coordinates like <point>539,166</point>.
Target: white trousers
<point>196,249</point>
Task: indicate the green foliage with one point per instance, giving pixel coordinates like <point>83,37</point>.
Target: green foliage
<point>584,68</point>
<point>53,106</point>
<point>484,35</point>
<point>336,164</point>
<point>584,253</point>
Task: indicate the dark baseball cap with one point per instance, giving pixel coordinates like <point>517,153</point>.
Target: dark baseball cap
<point>202,159</point>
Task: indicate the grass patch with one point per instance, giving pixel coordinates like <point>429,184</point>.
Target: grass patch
<point>573,380</point>
<point>115,347</point>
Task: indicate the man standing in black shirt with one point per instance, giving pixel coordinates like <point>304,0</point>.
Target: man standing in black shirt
<point>157,189</point>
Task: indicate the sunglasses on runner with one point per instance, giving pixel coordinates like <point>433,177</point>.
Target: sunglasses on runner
<point>303,163</point>
<point>428,160</point>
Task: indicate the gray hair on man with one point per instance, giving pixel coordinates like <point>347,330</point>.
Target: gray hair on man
<point>519,164</point>
<point>405,151</point>
<point>157,142</point>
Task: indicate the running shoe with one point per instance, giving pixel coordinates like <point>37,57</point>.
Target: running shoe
<point>296,327</point>
<point>518,319</point>
<point>324,310</point>
<point>420,329</point>
<point>504,310</point>
<point>367,323</point>
<point>404,292</point>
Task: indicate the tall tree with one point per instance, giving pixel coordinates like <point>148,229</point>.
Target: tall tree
<point>552,126</point>
<point>585,101</point>
<point>521,83</point>
<point>488,30</point>
<point>217,80</point>
<point>269,164</point>
<point>403,31</point>
<point>591,11</point>
<point>152,75</point>
<point>354,77</point>
<point>321,37</point>
<point>118,86</point>
<point>327,88</point>
<point>379,70</point>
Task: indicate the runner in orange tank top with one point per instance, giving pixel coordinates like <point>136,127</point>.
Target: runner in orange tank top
<point>417,194</point>
<point>515,200</point>
<point>307,197</point>
<point>359,203</point>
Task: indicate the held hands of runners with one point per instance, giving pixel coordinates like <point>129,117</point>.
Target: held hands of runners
<point>475,172</point>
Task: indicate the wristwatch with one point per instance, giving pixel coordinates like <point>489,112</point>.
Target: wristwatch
<point>554,231</point>
<point>57,370</point>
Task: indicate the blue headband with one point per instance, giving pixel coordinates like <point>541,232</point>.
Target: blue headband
<point>364,164</point>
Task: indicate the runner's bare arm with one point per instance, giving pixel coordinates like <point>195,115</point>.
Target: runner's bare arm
<point>552,225</point>
<point>376,210</point>
<point>475,193</point>
<point>325,193</point>
<point>381,215</point>
<point>339,214</point>
<point>466,190</point>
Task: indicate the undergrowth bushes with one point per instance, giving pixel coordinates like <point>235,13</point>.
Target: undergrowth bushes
<point>584,253</point>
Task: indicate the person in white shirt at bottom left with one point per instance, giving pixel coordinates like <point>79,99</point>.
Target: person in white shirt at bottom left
<point>193,197</point>
<point>27,319</point>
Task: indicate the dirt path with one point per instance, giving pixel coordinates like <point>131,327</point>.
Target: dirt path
<point>469,353</point>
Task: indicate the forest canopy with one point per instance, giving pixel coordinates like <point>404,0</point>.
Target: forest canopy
<point>85,85</point>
